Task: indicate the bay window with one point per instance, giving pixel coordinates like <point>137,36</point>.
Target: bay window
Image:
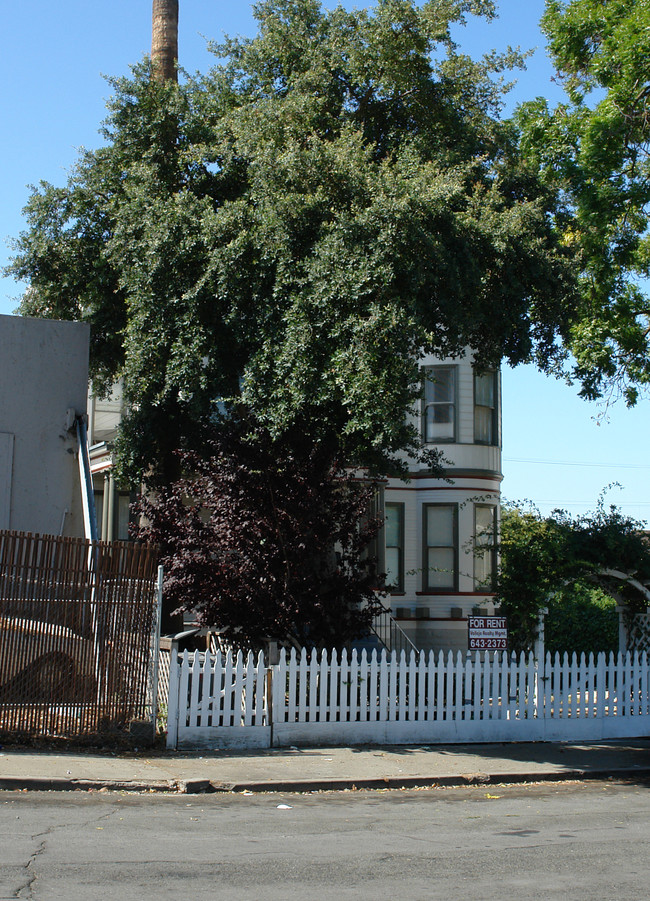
<point>485,408</point>
<point>394,544</point>
<point>485,554</point>
<point>440,534</point>
<point>439,404</point>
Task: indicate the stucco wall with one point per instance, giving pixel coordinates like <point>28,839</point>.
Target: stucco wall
<point>43,373</point>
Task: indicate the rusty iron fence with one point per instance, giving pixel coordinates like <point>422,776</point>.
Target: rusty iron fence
<point>79,624</point>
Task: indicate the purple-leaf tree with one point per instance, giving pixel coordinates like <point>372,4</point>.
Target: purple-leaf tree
<point>268,540</point>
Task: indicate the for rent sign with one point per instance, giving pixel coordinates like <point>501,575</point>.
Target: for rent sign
<point>487,633</point>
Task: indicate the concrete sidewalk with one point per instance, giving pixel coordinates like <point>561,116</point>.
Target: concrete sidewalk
<point>322,769</point>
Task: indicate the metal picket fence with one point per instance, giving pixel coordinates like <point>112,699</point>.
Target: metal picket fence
<point>78,635</point>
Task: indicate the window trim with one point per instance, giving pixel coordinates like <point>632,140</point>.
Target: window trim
<point>426,370</point>
<point>488,586</point>
<point>399,587</point>
<point>495,408</point>
<point>439,589</point>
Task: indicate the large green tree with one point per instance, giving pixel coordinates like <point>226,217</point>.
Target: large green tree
<point>295,227</point>
<point>593,148</point>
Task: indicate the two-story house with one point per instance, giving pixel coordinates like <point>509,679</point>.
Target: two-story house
<point>438,545</point>
<point>440,549</point>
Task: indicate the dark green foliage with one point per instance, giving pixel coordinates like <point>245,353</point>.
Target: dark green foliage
<point>531,553</point>
<point>267,540</point>
<point>294,228</point>
<point>542,558</point>
<point>581,618</point>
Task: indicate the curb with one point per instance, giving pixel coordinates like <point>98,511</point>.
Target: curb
<point>399,782</point>
<point>28,783</point>
<point>207,786</point>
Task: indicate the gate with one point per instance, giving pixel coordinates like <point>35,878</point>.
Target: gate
<point>79,623</point>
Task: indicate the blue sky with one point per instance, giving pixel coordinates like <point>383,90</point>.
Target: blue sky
<point>558,451</point>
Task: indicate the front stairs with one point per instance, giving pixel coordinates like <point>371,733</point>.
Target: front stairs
<point>384,634</point>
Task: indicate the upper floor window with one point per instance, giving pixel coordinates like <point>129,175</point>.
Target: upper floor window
<point>439,404</point>
<point>486,421</point>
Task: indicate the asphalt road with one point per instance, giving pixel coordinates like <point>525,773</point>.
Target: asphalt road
<point>571,841</point>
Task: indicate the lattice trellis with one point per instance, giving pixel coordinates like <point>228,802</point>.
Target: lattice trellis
<point>639,632</point>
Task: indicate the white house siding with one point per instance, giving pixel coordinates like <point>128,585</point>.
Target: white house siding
<point>438,619</point>
<point>104,415</point>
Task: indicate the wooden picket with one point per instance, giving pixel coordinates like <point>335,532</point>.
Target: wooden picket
<point>320,697</point>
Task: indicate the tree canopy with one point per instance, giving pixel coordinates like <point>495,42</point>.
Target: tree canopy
<point>295,227</point>
<point>593,148</point>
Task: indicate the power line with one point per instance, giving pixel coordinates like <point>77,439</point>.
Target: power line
<point>577,463</point>
<point>563,503</point>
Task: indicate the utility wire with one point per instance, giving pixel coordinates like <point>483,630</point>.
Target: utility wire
<point>578,463</point>
<point>564,503</point>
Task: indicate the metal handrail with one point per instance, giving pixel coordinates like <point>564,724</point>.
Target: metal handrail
<point>390,634</point>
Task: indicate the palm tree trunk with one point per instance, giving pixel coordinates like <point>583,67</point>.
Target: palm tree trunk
<point>164,39</point>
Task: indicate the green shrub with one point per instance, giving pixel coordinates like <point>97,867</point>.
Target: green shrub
<point>581,617</point>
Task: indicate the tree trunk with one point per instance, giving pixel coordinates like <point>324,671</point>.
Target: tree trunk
<point>164,59</point>
<point>164,39</point>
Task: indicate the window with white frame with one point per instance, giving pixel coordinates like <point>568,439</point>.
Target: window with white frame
<point>486,420</point>
<point>439,404</point>
<point>440,562</point>
<point>394,546</point>
<point>485,559</point>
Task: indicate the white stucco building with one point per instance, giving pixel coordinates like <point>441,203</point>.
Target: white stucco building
<point>43,389</point>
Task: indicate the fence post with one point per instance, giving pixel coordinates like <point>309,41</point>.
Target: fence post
<point>540,659</point>
<point>273,659</point>
<point>156,649</point>
<point>173,702</point>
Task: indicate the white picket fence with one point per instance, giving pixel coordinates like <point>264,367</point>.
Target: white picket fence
<point>320,698</point>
